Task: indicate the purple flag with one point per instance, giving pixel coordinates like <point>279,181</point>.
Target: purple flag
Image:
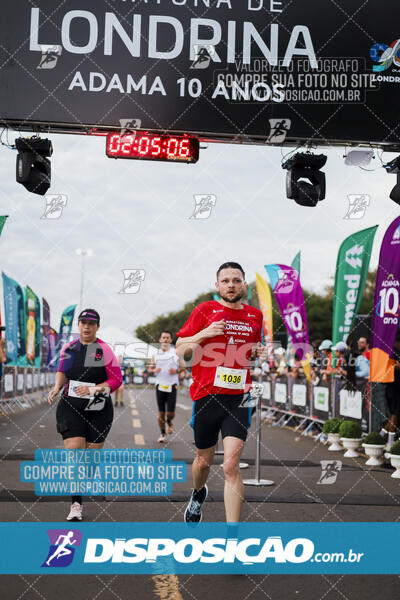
<point>52,347</point>
<point>45,332</point>
<point>385,318</point>
<point>286,286</point>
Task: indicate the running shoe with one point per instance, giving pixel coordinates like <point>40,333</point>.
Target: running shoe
<point>193,509</point>
<point>75,514</point>
<point>162,438</point>
<point>170,428</point>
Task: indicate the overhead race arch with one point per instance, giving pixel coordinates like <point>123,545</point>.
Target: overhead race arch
<point>248,71</point>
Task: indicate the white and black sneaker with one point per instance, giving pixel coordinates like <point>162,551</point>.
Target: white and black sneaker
<point>75,514</point>
<point>193,509</point>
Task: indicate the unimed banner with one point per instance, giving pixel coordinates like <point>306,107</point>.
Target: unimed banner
<point>385,319</point>
<point>237,69</point>
<point>350,276</point>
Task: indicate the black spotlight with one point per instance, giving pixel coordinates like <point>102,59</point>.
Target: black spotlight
<point>33,168</point>
<point>305,183</point>
<point>394,167</point>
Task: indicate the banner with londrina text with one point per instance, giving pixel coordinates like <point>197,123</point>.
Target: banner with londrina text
<point>286,286</point>
<point>351,273</point>
<point>385,317</point>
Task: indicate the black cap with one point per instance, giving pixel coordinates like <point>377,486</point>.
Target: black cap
<point>89,314</point>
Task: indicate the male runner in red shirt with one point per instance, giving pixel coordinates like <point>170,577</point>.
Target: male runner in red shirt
<point>221,336</point>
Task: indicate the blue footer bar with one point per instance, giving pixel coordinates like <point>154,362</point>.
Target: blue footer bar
<point>210,548</point>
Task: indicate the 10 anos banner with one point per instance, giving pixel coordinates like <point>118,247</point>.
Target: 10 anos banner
<point>389,304</point>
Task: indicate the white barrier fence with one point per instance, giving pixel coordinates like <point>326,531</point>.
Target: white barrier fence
<point>299,402</point>
<point>22,387</point>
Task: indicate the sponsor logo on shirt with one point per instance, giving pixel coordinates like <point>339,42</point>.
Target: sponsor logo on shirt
<point>239,326</point>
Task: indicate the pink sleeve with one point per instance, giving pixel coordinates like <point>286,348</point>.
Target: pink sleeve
<point>114,375</point>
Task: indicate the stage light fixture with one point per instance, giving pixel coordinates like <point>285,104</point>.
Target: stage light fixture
<point>33,169</point>
<point>305,182</point>
<point>358,158</point>
<point>393,167</point>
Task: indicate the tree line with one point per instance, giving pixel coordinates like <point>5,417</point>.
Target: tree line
<point>319,308</point>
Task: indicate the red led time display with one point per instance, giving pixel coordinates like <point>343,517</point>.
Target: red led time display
<point>146,146</point>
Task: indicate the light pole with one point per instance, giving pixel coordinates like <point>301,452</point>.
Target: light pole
<point>82,254</point>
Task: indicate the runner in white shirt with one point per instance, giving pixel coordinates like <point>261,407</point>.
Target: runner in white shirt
<point>166,365</point>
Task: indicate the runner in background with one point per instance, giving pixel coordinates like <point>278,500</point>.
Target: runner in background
<point>119,392</point>
<point>222,337</point>
<point>87,373</point>
<point>166,366</point>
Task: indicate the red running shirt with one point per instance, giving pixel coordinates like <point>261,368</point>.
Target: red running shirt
<point>231,350</point>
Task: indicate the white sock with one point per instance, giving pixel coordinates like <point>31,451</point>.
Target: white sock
<point>383,432</point>
<point>391,436</point>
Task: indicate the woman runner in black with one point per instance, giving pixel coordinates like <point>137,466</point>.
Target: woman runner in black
<point>87,373</point>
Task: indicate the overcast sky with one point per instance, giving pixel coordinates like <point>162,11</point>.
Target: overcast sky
<point>135,215</point>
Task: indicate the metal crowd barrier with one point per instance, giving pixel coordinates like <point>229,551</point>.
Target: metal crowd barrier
<point>140,380</point>
<point>289,399</point>
<point>302,404</point>
<point>23,387</point>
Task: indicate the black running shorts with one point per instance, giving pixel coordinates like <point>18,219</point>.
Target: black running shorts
<point>79,417</point>
<point>226,413</point>
<point>166,400</point>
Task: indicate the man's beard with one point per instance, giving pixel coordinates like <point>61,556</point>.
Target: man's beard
<point>234,299</point>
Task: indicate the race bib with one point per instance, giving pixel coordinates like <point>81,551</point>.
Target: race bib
<point>165,387</point>
<point>74,384</point>
<point>233,379</point>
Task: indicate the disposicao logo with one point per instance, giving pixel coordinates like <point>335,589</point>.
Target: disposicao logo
<point>62,547</point>
<point>192,550</point>
<point>220,553</point>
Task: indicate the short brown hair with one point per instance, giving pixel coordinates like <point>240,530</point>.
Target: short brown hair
<point>230,265</point>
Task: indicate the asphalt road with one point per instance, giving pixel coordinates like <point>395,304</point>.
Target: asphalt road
<point>290,460</point>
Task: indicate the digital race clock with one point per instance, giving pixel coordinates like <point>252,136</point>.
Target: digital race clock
<point>146,146</point>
